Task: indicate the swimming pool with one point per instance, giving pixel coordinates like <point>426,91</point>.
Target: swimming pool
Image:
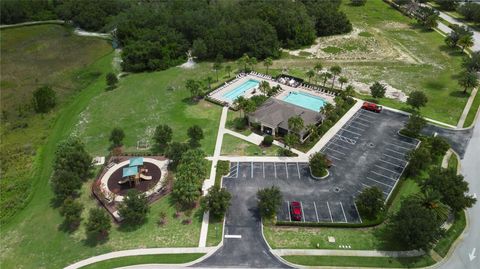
<point>241,89</point>
<point>305,100</point>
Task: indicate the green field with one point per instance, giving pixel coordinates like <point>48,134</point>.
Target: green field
<point>234,146</point>
<point>145,259</point>
<point>379,262</point>
<point>395,51</point>
<point>31,57</point>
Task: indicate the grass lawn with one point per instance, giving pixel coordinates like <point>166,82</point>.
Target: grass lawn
<point>453,233</point>
<point>215,231</point>
<point>222,169</point>
<point>357,238</point>
<point>232,117</point>
<point>31,57</point>
<point>237,147</point>
<point>143,101</point>
<point>145,259</point>
<point>453,162</point>
<point>473,111</point>
<point>380,262</point>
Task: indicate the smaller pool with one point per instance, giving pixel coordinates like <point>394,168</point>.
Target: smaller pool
<point>241,89</point>
<point>305,100</point>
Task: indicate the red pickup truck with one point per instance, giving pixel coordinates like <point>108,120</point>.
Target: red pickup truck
<point>372,107</point>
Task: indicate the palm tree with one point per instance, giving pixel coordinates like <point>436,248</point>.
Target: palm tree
<point>243,61</point>
<point>468,80</point>
<point>327,109</point>
<point>295,124</point>
<point>313,130</point>
<point>342,80</point>
<point>217,66</point>
<point>335,70</point>
<point>264,87</point>
<point>465,41</point>
<point>209,81</point>
<point>228,68</point>
<point>318,67</point>
<point>252,61</point>
<point>430,199</point>
<point>267,63</point>
<point>349,90</point>
<point>310,73</point>
<point>240,103</point>
<point>326,76</point>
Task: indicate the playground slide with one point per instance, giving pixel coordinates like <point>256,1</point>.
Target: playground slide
<point>145,177</point>
<point>123,181</point>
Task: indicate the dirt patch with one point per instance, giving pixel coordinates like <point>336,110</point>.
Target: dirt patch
<point>392,93</point>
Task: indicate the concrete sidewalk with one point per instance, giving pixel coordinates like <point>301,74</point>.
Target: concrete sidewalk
<point>344,252</point>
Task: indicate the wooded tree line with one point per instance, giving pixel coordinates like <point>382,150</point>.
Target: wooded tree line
<point>156,34</point>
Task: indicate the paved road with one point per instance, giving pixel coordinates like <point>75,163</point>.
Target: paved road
<point>471,238</point>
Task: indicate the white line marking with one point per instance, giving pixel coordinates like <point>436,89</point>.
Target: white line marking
<point>398,140</point>
<point>394,158</point>
<point>345,216</point>
<point>236,236</point>
<point>397,152</point>
<point>358,118</point>
<point>351,132</point>
<point>298,170</point>
<point>286,169</point>
<point>391,178</point>
<point>251,170</point>
<point>351,126</point>
<point>275,169</point>
<point>358,213</point>
<point>387,169</point>
<point>288,211</point>
<point>398,146</point>
<point>237,169</point>
<point>399,166</point>
<point>368,186</point>
<point>367,112</point>
<point>331,156</point>
<point>316,213</point>
<point>303,213</point>
<point>379,182</point>
<point>362,124</point>
<point>339,146</point>
<point>335,150</point>
<point>331,218</point>
<point>263,166</point>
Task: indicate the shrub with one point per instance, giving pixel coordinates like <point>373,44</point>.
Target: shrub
<point>134,208</point>
<point>267,140</point>
<point>216,201</point>
<point>318,164</point>
<point>370,202</point>
<point>98,224</point>
<point>44,99</point>
<point>116,137</point>
<point>377,90</point>
<point>269,199</point>
<point>71,210</point>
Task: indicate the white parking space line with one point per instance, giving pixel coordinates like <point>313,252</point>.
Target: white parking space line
<point>399,166</point>
<point>251,170</point>
<point>351,126</point>
<point>381,167</point>
<point>316,213</point>
<point>358,118</point>
<point>358,213</point>
<point>236,236</point>
<point>335,150</point>
<point>391,178</point>
<point>263,167</point>
<point>351,132</point>
<point>286,169</point>
<point>328,206</point>
<point>303,214</point>
<point>298,170</point>
<point>398,152</point>
<point>343,147</point>
<point>379,182</point>
<point>395,158</point>
<point>398,146</point>
<point>288,211</point>
<point>345,216</point>
<point>237,168</point>
<point>398,140</point>
<point>368,186</point>
<point>275,169</point>
<point>346,139</point>
<point>359,123</point>
<point>333,157</point>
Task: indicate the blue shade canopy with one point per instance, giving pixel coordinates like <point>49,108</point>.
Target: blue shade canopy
<point>136,161</point>
<point>130,171</point>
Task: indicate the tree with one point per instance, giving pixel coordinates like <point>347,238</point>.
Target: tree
<point>465,42</point>
<point>116,137</point>
<point>427,17</point>
<point>194,87</point>
<point>209,81</point>
<point>358,2</point>
<point>243,62</point>
<point>267,140</point>
<point>228,69</point>
<point>318,163</point>
<point>264,87</point>
<point>295,124</point>
<point>431,200</point>
<point>310,74</point>
<point>216,201</point>
<point>252,61</point>
<point>472,63</point>
<point>174,154</point>
<point>370,202</point>
<point>349,90</point>
<point>240,104</point>
<point>414,125</point>
<point>342,81</point>
<point>185,193</point>
<point>267,63</point>
<point>71,156</point>
<point>217,65</point>
<point>457,32</point>
<point>448,5</point>
<point>377,90</point>
<point>44,99</point>
<point>335,70</point>
<point>325,76</point>
<point>192,167</point>
<point>65,184</point>
<point>468,80</point>
<point>134,208</point>
<point>417,99</point>
<point>111,79</point>
<point>327,109</point>
<point>195,133</point>
<point>71,210</point>
<point>199,48</point>
<point>318,67</point>
<point>290,140</point>
<point>98,224</point>
<point>269,199</point>
<point>438,146</point>
<point>313,131</point>
<point>418,160</point>
<point>162,136</point>
<point>414,226</point>
<point>452,188</point>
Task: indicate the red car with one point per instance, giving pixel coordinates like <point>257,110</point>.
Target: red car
<point>372,107</point>
<point>296,211</point>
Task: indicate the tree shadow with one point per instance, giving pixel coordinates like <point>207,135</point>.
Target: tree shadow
<point>191,101</point>
<point>93,240</point>
<point>68,227</point>
<point>455,52</point>
<point>460,94</point>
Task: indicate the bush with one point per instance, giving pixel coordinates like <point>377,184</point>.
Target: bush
<point>134,208</point>
<point>267,140</point>
<point>44,99</point>
<point>269,199</point>
<point>98,224</point>
<point>414,125</point>
<point>216,201</point>
<point>370,202</point>
<point>318,164</point>
<point>377,90</point>
<point>116,137</point>
<point>71,210</point>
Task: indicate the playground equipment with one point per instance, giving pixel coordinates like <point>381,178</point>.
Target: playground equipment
<point>134,172</point>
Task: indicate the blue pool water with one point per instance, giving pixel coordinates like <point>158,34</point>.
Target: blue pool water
<point>305,100</point>
<point>240,90</point>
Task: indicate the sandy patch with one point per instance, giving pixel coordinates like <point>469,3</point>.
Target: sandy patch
<point>392,93</point>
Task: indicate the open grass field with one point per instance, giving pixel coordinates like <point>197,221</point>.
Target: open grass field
<point>388,47</point>
<point>235,146</point>
<point>379,262</point>
<point>145,259</point>
<point>33,56</point>
<point>143,101</point>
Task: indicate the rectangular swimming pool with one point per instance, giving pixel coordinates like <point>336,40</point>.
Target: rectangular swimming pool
<point>240,90</point>
<point>305,100</point>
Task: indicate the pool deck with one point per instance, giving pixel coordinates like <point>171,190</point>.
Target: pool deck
<point>218,93</point>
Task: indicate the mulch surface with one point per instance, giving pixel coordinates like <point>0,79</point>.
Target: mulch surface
<point>143,186</point>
